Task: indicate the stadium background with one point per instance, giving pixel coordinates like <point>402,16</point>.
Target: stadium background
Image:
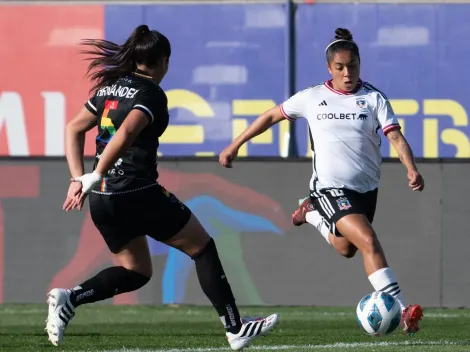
<point>230,62</point>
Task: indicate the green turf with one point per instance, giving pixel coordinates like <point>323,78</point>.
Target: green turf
<point>148,328</point>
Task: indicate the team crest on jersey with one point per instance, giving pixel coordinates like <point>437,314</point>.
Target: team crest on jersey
<point>361,103</point>
<point>343,203</point>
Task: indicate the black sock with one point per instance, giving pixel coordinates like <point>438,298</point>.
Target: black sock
<point>216,287</point>
<point>106,284</point>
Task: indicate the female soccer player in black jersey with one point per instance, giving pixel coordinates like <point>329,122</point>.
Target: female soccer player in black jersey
<point>126,201</point>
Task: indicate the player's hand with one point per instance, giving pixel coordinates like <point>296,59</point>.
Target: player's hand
<point>416,181</point>
<point>73,195</point>
<point>227,156</point>
<point>88,181</point>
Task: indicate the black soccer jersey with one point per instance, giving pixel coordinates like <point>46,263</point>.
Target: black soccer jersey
<point>136,168</point>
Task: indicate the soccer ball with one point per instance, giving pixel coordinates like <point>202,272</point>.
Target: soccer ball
<point>378,314</point>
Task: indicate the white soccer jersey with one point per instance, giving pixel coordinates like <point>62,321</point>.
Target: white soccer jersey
<point>344,135</point>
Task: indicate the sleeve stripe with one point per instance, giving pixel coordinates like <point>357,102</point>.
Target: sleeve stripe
<point>138,106</point>
<point>284,113</point>
<point>389,128</point>
<point>92,106</point>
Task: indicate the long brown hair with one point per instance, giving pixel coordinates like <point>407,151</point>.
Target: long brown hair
<point>111,61</point>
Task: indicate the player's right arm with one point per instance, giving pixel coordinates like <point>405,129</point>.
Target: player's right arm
<point>75,132</point>
<point>291,109</point>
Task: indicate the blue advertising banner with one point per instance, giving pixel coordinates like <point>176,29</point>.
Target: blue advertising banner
<point>227,67</point>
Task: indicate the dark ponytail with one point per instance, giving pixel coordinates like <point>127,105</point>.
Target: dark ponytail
<point>343,41</point>
<point>110,61</point>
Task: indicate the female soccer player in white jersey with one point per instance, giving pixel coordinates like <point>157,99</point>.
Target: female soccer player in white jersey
<point>344,116</point>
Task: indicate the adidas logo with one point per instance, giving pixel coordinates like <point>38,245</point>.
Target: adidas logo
<point>323,103</point>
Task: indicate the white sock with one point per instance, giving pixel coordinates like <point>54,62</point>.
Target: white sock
<point>313,217</point>
<point>384,280</point>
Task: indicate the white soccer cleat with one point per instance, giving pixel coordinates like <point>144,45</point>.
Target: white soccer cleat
<point>252,328</point>
<point>61,311</point>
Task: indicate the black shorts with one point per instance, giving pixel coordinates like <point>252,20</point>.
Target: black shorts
<point>335,203</point>
<point>151,211</point>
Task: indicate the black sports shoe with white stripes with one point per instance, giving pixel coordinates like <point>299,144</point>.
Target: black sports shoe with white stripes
<point>251,329</point>
<point>61,311</point>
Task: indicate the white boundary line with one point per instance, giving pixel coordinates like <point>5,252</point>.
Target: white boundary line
<point>336,346</point>
<point>312,315</point>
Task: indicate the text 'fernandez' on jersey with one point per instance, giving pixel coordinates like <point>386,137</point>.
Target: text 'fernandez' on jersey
<point>136,168</point>
<point>344,133</point>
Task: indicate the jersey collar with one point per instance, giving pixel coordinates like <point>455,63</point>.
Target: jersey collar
<point>358,87</point>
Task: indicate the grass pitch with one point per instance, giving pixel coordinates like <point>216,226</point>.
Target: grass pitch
<point>197,329</point>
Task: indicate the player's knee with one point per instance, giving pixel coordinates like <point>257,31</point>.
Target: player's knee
<point>136,280</point>
<point>144,270</point>
<point>348,252</point>
<point>192,239</point>
<point>370,242</point>
<point>199,247</point>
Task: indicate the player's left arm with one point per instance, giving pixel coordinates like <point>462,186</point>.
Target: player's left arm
<point>399,143</point>
<point>403,149</point>
<point>392,130</point>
